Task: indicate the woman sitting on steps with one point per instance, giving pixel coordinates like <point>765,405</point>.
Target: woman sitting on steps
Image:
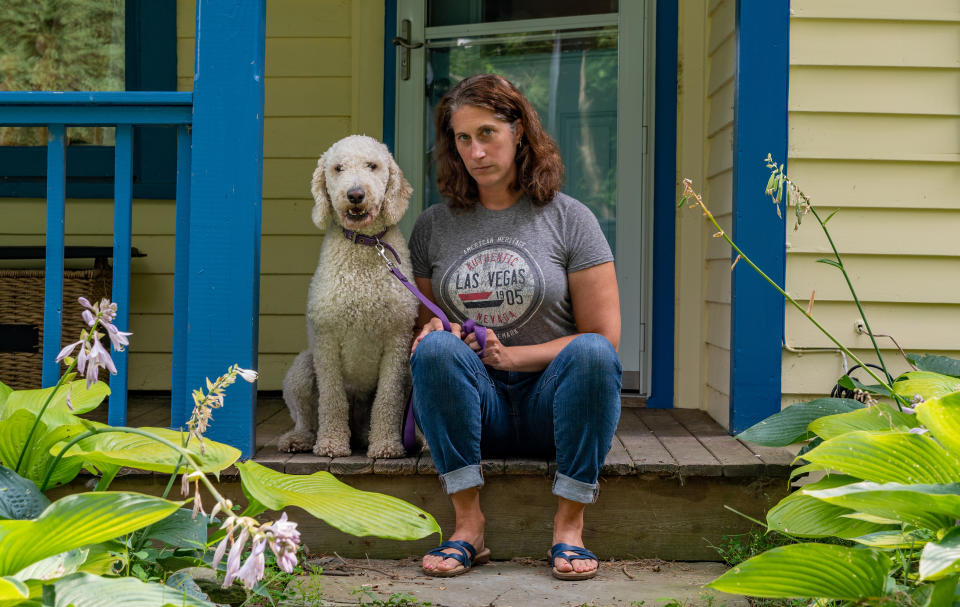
<point>530,264</point>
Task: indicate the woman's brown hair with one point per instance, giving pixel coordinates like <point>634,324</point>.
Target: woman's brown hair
<point>539,167</point>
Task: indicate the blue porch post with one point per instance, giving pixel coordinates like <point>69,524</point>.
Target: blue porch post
<point>53,277</point>
<point>664,208</point>
<point>760,127</point>
<point>225,199</point>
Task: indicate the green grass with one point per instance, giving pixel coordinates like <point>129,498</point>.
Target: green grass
<point>397,599</point>
<point>735,549</point>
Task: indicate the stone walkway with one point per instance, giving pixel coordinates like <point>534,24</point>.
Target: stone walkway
<point>516,583</point>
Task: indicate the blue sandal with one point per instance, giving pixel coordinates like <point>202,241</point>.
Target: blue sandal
<point>467,557</point>
<point>579,554</point>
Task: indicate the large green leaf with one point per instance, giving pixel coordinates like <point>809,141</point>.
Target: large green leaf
<point>12,590</point>
<point>809,571</point>
<point>19,497</point>
<point>930,506</point>
<point>940,559</point>
<point>5,391</point>
<point>927,384</point>
<point>799,514</point>
<point>36,461</point>
<point>349,510</point>
<point>942,417</point>
<point>895,539</point>
<point>113,449</point>
<point>75,521</point>
<point>877,417</point>
<point>103,557</point>
<point>886,457</point>
<point>936,363</point>
<point>51,568</point>
<point>181,529</point>
<point>82,399</point>
<point>85,590</point>
<point>790,425</point>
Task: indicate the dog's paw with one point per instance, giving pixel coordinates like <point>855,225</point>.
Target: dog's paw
<point>385,449</point>
<point>295,441</point>
<point>326,447</point>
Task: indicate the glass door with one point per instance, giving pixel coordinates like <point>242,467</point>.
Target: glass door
<point>566,58</point>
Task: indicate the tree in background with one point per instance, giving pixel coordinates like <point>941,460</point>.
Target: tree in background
<point>61,45</point>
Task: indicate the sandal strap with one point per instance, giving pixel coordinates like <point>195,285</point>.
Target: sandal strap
<point>579,554</point>
<point>466,551</point>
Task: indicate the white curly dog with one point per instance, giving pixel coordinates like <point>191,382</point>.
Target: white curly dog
<point>359,316</point>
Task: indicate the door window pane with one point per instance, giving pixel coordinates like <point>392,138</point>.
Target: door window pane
<point>570,77</point>
<point>61,46</point>
<point>461,12</point>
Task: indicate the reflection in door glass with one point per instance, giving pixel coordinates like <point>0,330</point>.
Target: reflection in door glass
<point>571,80</point>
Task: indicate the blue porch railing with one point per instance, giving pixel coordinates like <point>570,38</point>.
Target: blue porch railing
<point>218,202</point>
<point>57,111</point>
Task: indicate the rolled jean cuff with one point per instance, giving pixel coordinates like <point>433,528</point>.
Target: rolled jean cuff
<point>574,490</point>
<point>462,478</point>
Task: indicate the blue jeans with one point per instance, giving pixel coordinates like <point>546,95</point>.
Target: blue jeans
<point>467,411</point>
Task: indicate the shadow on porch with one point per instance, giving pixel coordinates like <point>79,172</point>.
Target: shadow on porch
<point>663,488</point>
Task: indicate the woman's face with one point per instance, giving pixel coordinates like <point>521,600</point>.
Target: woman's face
<point>487,146</point>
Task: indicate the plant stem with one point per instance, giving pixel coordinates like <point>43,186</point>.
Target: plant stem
<point>784,293</point>
<point>186,455</point>
<point>142,539</point>
<point>26,443</point>
<point>853,292</point>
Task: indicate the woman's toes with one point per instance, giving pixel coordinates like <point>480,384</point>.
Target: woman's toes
<point>438,563</point>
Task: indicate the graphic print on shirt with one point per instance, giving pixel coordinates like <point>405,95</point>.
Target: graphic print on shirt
<point>497,283</point>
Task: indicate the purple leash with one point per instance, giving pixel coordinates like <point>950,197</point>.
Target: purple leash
<point>469,326</point>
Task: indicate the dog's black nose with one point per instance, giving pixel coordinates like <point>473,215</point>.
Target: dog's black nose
<point>355,195</point>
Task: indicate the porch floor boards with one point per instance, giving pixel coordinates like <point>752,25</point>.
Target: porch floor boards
<point>671,487</point>
<point>669,442</point>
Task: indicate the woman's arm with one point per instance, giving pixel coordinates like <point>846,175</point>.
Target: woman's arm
<point>596,309</point>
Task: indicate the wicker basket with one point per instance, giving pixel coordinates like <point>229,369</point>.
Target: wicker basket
<point>21,303</point>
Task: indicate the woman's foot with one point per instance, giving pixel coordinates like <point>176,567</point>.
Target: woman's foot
<point>439,564</point>
<point>568,529</point>
<point>469,528</point>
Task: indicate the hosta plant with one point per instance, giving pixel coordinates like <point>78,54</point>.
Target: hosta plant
<point>82,547</point>
<point>888,467</point>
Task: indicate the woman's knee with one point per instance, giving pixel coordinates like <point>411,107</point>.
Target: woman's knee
<point>435,348</point>
<point>592,350</point>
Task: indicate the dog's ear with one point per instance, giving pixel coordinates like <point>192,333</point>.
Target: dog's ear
<point>397,194</point>
<point>322,208</point>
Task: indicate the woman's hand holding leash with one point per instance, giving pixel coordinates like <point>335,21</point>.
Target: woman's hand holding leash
<point>496,355</point>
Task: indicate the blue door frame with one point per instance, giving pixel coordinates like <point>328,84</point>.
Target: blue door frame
<point>760,118</point>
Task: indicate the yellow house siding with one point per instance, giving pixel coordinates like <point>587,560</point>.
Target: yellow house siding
<point>689,375</point>
<point>874,132</point>
<point>718,191</point>
<point>705,137</point>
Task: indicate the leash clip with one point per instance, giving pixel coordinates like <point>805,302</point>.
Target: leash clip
<point>382,252</point>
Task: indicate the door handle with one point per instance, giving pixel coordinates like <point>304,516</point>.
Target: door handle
<point>403,41</point>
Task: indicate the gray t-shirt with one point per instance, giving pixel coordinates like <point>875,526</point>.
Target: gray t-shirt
<point>507,270</point>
